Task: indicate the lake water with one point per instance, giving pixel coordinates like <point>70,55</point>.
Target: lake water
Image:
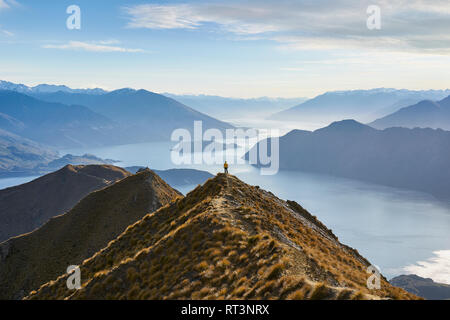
<point>399,231</point>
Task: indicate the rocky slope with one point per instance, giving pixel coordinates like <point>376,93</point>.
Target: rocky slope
<point>32,259</point>
<point>224,240</point>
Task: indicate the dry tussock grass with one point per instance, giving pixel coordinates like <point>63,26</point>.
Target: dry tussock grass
<point>224,240</point>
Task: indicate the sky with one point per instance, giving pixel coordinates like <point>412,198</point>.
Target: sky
<point>229,48</point>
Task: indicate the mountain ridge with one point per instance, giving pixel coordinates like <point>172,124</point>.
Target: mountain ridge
<point>34,258</point>
<point>424,114</point>
<point>26,207</point>
<point>361,105</point>
<point>224,240</point>
<point>45,88</point>
<point>143,115</point>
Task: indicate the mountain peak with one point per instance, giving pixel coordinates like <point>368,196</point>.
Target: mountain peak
<point>445,103</point>
<point>123,91</point>
<point>346,126</point>
<point>224,240</point>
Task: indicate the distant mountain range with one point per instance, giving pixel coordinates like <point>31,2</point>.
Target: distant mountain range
<point>69,118</point>
<point>224,240</point>
<point>142,115</point>
<point>54,124</point>
<point>45,88</point>
<point>414,159</point>
<point>34,258</point>
<point>425,114</point>
<point>361,105</point>
<point>26,207</point>
<point>422,287</point>
<point>234,108</point>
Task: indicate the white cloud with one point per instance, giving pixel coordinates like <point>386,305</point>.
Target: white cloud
<point>303,24</point>
<point>5,4</point>
<point>91,47</point>
<point>436,268</point>
<point>163,17</point>
<point>184,16</point>
<point>109,42</point>
<point>6,32</point>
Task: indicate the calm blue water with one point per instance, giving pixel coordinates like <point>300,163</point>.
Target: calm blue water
<point>392,228</point>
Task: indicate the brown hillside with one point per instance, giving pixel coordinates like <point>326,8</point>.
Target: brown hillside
<point>26,207</point>
<point>224,240</point>
<point>32,259</point>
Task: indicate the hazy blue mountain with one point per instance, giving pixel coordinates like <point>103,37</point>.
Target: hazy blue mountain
<point>219,107</point>
<point>86,159</point>
<point>422,287</point>
<point>425,114</point>
<point>178,177</point>
<point>19,155</point>
<point>23,157</point>
<point>362,105</point>
<point>414,159</point>
<point>232,108</point>
<point>55,124</point>
<point>142,114</point>
<point>45,88</point>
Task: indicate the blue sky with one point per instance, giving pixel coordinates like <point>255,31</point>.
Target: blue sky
<point>230,48</point>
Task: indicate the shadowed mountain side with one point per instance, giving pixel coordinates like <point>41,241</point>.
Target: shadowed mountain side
<point>415,159</point>
<point>425,114</point>
<point>422,287</point>
<point>144,115</point>
<point>55,124</point>
<point>26,207</point>
<point>32,259</point>
<point>19,155</point>
<point>224,240</point>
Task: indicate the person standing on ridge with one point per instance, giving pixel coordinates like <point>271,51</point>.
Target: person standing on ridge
<point>225,167</point>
